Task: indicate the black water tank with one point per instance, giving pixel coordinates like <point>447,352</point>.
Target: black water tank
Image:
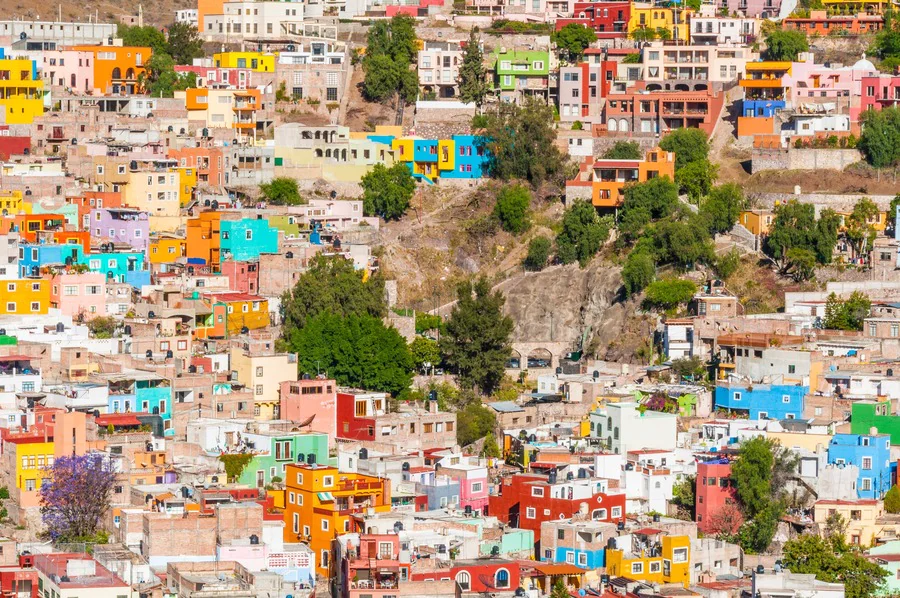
<point>60,327</point>
<point>301,457</point>
<point>405,466</point>
<point>128,329</point>
<point>363,454</point>
<point>149,353</point>
<point>244,330</point>
<point>254,540</point>
<point>169,354</point>
<point>311,459</point>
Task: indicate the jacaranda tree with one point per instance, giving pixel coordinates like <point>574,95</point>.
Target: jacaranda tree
<point>75,496</point>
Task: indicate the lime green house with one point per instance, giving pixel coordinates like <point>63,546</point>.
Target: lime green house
<point>522,73</point>
<point>865,415</point>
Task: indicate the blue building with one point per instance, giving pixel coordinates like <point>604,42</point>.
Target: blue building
<point>142,392</point>
<point>581,543</point>
<point>122,266</point>
<point>32,256</point>
<point>762,401</point>
<point>763,108</point>
<point>471,159</point>
<point>244,239</point>
<point>871,454</point>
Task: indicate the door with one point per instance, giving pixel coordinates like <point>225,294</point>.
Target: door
<point>260,478</point>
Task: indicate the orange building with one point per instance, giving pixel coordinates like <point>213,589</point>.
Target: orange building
<point>117,68</point>
<point>321,503</point>
<point>73,237</point>
<point>605,180</point>
<point>757,222</point>
<point>28,225</point>
<point>203,239</point>
<point>209,162</point>
<point>819,23</point>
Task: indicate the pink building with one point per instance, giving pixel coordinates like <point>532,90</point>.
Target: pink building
<point>313,398</point>
<point>243,277</point>
<point>812,83</point>
<point>210,76</point>
<point>70,69</point>
<point>79,294</point>
<point>879,91</point>
<point>472,474</point>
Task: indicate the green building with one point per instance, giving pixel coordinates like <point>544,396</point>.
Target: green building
<point>522,73</point>
<point>274,450</point>
<point>866,415</point>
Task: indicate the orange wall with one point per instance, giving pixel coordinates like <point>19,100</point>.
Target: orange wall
<point>755,125</point>
<point>126,58</point>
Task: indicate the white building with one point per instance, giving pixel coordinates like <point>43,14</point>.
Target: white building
<point>9,256</point>
<point>717,31</point>
<point>188,16</point>
<point>622,428</point>
<point>439,64</point>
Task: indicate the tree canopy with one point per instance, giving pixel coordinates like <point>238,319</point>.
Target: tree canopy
<point>846,314</point>
<point>511,208</point>
<point>860,226</point>
<point>183,43</point>
<point>669,293</point>
<point>521,142</point>
<point>147,36</point>
<point>784,45</point>
<point>572,40</point>
<point>75,496</point>
<point>638,272</point>
<point>282,191</point>
<point>390,51</point>
<point>474,421</point>
<point>831,560</point>
<point>624,150</point>
<point>476,341</point>
<point>644,203</point>
<point>387,191</point>
<point>160,79</point>
<point>796,228</point>
<point>722,207</point>
<point>538,253</point>
<point>880,139</point>
<point>689,145</point>
<point>583,234</point>
<point>473,85</point>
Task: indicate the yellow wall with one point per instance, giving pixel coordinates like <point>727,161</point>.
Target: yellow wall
<point>187,181</point>
<point>18,296</point>
<point>11,202</point>
<point>793,440</point>
<point>660,18</point>
<point>265,63</point>
<point>21,97</point>
<point>757,222</point>
<point>262,374</point>
<point>652,569</point>
<point>31,459</point>
<point>864,528</point>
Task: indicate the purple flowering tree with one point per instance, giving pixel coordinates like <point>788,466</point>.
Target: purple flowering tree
<point>75,496</point>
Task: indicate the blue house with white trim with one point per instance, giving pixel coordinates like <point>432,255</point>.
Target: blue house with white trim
<point>871,453</point>
<point>762,401</point>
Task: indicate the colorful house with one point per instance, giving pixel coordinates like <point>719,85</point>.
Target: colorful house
<point>865,415</point>
<point>245,239</point>
<point>11,203</point>
<point>715,498</point>
<point>460,157</point>
<point>33,257</point>
<point>143,392</point>
<point>871,454</point>
<point>203,240</point>
<point>25,297</point>
<point>762,401</point>
<point>322,503</point>
<point>861,517</point>
<point>603,181</point>
<point>166,249</point>
<point>231,313</point>
<point>117,69</point>
<point>79,294</point>
<point>650,555</point>
<point>272,453</point>
<point>124,226</point>
<point>521,73</point>
<point>653,17</point>
<point>255,61</point>
<point>120,266</point>
<point>21,90</point>
<point>767,89</point>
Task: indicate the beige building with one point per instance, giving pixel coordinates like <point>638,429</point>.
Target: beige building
<point>694,68</point>
<point>154,186</point>
<point>262,376</point>
<point>861,517</point>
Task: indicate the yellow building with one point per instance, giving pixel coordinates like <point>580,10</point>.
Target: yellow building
<point>165,250</point>
<point>262,375</point>
<point>646,15</point>
<point>322,503</point>
<point>861,517</point>
<point>878,222</point>
<point>758,222</point>
<point>652,556</point>
<point>255,61</point>
<point>21,90</point>
<point>24,297</point>
<point>11,203</point>
<point>801,440</point>
<point>766,80</point>
<point>31,457</point>
<point>188,181</point>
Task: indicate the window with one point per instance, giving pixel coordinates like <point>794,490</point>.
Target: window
<point>680,555</point>
<point>284,450</point>
<point>866,484</point>
<point>785,399</point>
<point>616,512</point>
<point>537,492</point>
<point>867,463</point>
<point>570,557</point>
<point>737,396</point>
<point>501,579</point>
<point>530,513</point>
<point>655,567</point>
<point>463,579</point>
<point>637,568</point>
<point>477,487</point>
<point>324,525</point>
<point>328,481</point>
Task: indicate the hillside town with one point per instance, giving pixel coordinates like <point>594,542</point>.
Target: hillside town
<point>450,298</point>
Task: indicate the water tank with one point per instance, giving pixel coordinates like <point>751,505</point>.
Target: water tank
<point>596,374</point>
<point>656,518</point>
<point>289,255</point>
<point>495,550</point>
<point>60,327</point>
<point>149,353</point>
<point>214,205</point>
<point>311,459</point>
<point>192,369</point>
<point>558,371</point>
<point>151,314</point>
<point>570,476</point>
<point>551,477</point>
<point>244,330</point>
<point>468,509</point>
<point>620,526</point>
<point>169,354</point>
<point>398,526</point>
<point>133,165</point>
<point>254,540</point>
<point>363,454</point>
<point>301,457</point>
<point>74,141</point>
<point>405,466</point>
<point>128,329</point>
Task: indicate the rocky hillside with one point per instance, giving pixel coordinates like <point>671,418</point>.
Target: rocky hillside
<point>156,12</point>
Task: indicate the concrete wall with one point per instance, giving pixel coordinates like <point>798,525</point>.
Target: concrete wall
<point>803,159</point>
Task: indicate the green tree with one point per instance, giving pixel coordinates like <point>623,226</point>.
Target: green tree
<point>355,350</point>
<point>511,208</point>
<point>860,230</point>
<point>473,85</point>
<point>583,233</point>
<point>102,326</point>
<point>643,34</point>
<point>476,341</point>
<point>520,142</point>
<point>183,43</point>
<point>387,191</point>
<point>784,45</point>
<point>572,40</point>
<point>728,263</point>
<point>644,203</point>
<point>799,264</point>
<point>390,51</point>
<point>382,78</point>
<point>892,500</point>
<point>722,207</point>
<point>696,178</point>
<point>752,474</point>
<point>690,368</point>
<point>682,242</point>
<point>473,422</point>
<point>330,285</point>
<point>880,139</point>
<point>147,36</point>
<point>689,145</point>
<point>282,191</point>
<point>847,314</point>
<point>796,227</point>
<point>669,293</point>
<point>160,79</point>
<point>684,492</point>
<point>490,448</point>
<point>831,560</point>
<point>559,589</point>
<point>624,150</point>
<point>638,272</point>
<point>892,213</point>
<point>538,253</point>
<point>425,353</point>
<point>756,534</point>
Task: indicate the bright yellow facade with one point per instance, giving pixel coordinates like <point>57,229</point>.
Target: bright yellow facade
<point>11,203</point>
<point>166,250</point>
<point>648,16</point>
<point>757,222</point>
<point>187,180</point>
<point>21,91</point>
<point>255,61</point>
<point>671,565</point>
<point>879,222</point>
<point>32,458</point>
<point>156,191</point>
<point>24,297</point>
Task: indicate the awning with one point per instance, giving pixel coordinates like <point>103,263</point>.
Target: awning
<point>325,497</point>
<point>556,569</point>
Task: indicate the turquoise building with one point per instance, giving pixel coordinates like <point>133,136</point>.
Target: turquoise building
<point>122,266</point>
<point>244,239</point>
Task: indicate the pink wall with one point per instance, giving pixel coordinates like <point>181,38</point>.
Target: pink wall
<point>68,63</point>
<point>72,305</point>
<point>842,86</point>
<point>320,401</point>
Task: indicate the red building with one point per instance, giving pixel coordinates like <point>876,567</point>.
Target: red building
<point>20,582</point>
<point>716,505</point>
<point>207,161</point>
<point>243,277</point>
<point>879,92</point>
<point>607,19</point>
<point>476,575</point>
<point>642,113</point>
<point>356,413</point>
<point>526,500</point>
<point>13,145</point>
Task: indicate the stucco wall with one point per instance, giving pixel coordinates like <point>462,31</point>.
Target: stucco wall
<point>803,159</point>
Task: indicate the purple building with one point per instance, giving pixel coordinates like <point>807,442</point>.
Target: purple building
<point>122,226</point>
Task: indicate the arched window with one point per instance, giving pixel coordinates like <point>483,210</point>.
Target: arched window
<point>73,82</point>
<point>623,125</point>
<point>613,125</point>
<point>117,73</point>
<point>463,579</point>
<point>501,579</point>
